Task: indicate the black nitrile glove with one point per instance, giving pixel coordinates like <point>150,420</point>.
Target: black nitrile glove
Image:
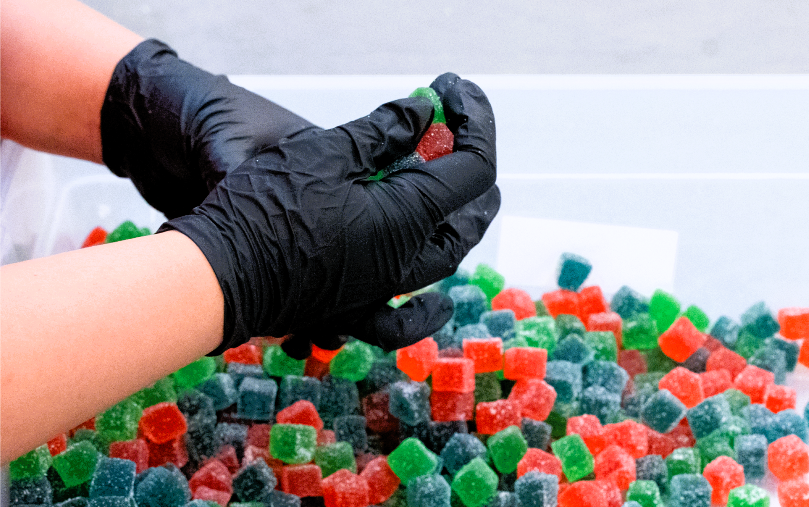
<point>303,244</point>
<point>176,130</point>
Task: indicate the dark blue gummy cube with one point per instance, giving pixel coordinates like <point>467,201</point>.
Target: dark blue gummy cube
<point>689,490</point>
<point>536,489</point>
<point>537,433</point>
<point>239,372</point>
<point>221,389</point>
<point>663,411</point>
<point>254,482</point>
<point>294,388</point>
<point>193,402</point>
<point>500,323</point>
<point>566,378</point>
<point>790,348</point>
<point>573,270</point>
<point>444,337</point>
<point>256,399</point>
<point>652,467</point>
<point>751,453</point>
<point>773,360</point>
<point>759,417</point>
<point>726,331</point>
<point>606,374</point>
<point>112,501</point>
<point>504,499</point>
<point>164,486</point>
<point>278,498</point>
<point>470,302</point>
<point>428,491</point>
<point>787,422</point>
<point>30,491</point>
<point>383,373</point>
<point>200,437</point>
<point>633,401</point>
<point>113,477</point>
<point>470,331</point>
<point>708,415</point>
<point>351,429</point>
<point>600,402</point>
<point>573,348</point>
<point>339,397</point>
<point>460,450</point>
<point>759,320</point>
<point>439,433</point>
<point>232,434</point>
<point>410,402</point>
<point>627,302</point>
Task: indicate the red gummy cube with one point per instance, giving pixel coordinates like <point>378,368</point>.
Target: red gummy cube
<point>712,343</point>
<point>133,450</point>
<point>535,398</point>
<point>382,482</point>
<point>715,382</point>
<point>343,488</point>
<point>323,355</point>
<point>300,412</point>
<point>326,437</point>
<point>616,465</point>
<point>682,435</point>
<point>162,423</point>
<point>632,361</point>
<point>561,301</point>
<point>212,495</point>
<point>525,362</point>
<point>315,368</point>
<point>227,455</point>
<point>537,460</point>
<point>258,435</point>
<point>57,444</point>
<point>582,494</point>
<point>253,453</point>
<point>778,398</point>
<point>632,436</point>
<point>788,458</point>
<point>591,301</point>
<point>723,474</point>
<point>302,480</point>
<point>449,406</point>
<point>803,354</point>
<point>172,451</point>
<point>725,359</point>
<point>684,384</point>
<point>485,353</point>
<point>606,321</point>
<point>417,360</point>
<point>517,300</point>
<point>96,237</point>
<point>681,340</point>
<point>376,407</point>
<point>494,416</point>
<point>214,475</point>
<point>794,323</point>
<point>589,428</point>
<point>753,382</point>
<point>450,352</point>
<point>454,375</point>
<point>661,443</point>
<point>246,353</point>
<point>611,492</point>
<point>794,493</point>
<point>436,142</point>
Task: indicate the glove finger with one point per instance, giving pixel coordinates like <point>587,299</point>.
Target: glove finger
<point>452,241</point>
<point>395,328</point>
<point>297,347</point>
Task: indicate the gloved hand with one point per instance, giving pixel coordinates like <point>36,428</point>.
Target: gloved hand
<point>301,243</point>
<point>175,130</point>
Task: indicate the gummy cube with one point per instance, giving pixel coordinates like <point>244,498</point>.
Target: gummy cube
<point>500,323</point>
<point>29,491</point>
<point>788,458</point>
<point>598,401</point>
<point>162,486</point>
<point>353,362</point>
<point>428,491</point>
<point>537,489</point>
<point>256,399</point>
<point>487,387</point>
<point>470,302</point>
<point>723,358</point>
<point>537,433</point>
<point>561,302</point>
<point>351,429</point>
<point>632,436</point>
<point>194,373</point>
<point>573,270</point>
<point>475,483</point>
<point>689,490</point>
<point>663,411</point>
<point>221,389</point>
<point>603,345</point>
<point>294,388</point>
<point>778,398</point>
<point>697,317</point>
<point>412,459</point>
<point>616,465</point>
<point>277,363</point>
<point>343,488</point>
<point>607,321</point>
<point>488,279</point>
<point>577,462</point>
<point>759,321</point>
<point>566,379</point>
<point>591,302</point>
<point>589,428</point>
<point>76,465</point>
<point>652,468</point>
<point>793,493</point>
<point>113,477</point>
<point>417,360</point>
<point>645,493</point>
<point>582,494</point>
<point>485,353</point>
<point>664,309</point>
<point>723,474</point>
<point>333,457</point>
<point>448,406</point>
<point>438,107</point>
<point>213,475</point>
<point>246,353</point>
<point>120,422</point>
<point>162,423</point>
<point>537,460</point>
<point>495,416</point>
<point>410,402</point>
<point>255,481</point>
<point>572,348</point>
<point>293,443</point>
<point>506,448</point>
<point>794,323</point>
<point>753,381</point>
<point>382,482</point>
<point>639,332</point>
<point>338,397</point>
<point>628,302</point>
<point>749,495</point>
<point>134,450</point>
<point>715,382</point>
<point>538,332</point>
<point>685,385</point>
<point>681,340</point>
<point>302,480</point>
<point>460,450</point>
<point>534,397</point>
<point>525,362</point>
<point>33,464</point>
<point>516,300</point>
<point>454,375</point>
<point>300,412</point>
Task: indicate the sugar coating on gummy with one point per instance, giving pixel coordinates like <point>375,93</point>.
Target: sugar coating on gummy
<point>524,362</point>
<point>645,493</point>
<point>485,353</point>
<point>256,399</point>
<point>689,490</point>
<point>500,323</point>
<point>470,302</point>
<point>113,477</point>
<point>663,411</point>
<point>438,107</point>
<point>749,495</point>
<point>428,491</point>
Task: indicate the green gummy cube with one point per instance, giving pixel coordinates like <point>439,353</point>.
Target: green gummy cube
<point>487,387</point>
<point>333,457</point>
<point>195,373</point>
<point>737,400</point>
<point>685,460</point>
<point>539,331</point>
<point>475,483</point>
<point>127,230</point>
<point>697,317</point>
<point>33,464</point>
<point>412,459</point>
<point>507,447</point>
<point>748,495</point>
<point>278,364</point>
<point>558,423</point>
<point>161,391</point>
<point>119,422</point>
<point>353,362</point>
<point>716,444</point>
<point>603,344</point>
<point>101,444</point>
<point>76,464</point>
<point>748,343</point>
<point>577,462</point>
<point>293,443</point>
<point>646,493</point>
<point>639,332</point>
<point>569,324</point>
<point>664,309</point>
<point>438,107</point>
<point>490,281</point>
<point>657,361</point>
<point>542,310</point>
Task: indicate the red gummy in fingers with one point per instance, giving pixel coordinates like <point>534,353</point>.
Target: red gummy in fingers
<point>436,142</point>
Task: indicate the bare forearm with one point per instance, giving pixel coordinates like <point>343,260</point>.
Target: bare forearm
<point>84,329</point>
<point>58,56</point>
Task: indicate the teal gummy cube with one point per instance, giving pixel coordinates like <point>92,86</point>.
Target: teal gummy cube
<point>573,271</point>
<point>726,331</point>
<point>488,279</point>
<point>663,411</point>
<point>685,460</point>
<point>475,483</point>
<point>195,373</point>
<point>708,415</point>
<point>759,320</point>
<point>76,464</point>
<point>603,345</point>
<point>639,332</point>
<point>566,378</point>
<point>748,495</point>
<point>790,348</point>
<point>606,374</point>
<point>113,477</point>
<point>278,364</point>
<point>628,302</point>
<point>751,453</point>
<point>772,360</point>
<point>652,467</point>
<point>333,457</point>
<point>412,459</point>
<point>507,447</point>
<point>748,343</point>
<point>120,422</point>
<point>536,433</point>
<point>293,443</point>
<point>537,489</point>
<point>31,465</point>
<point>786,422</point>
<point>500,323</point>
<point>577,462</point>
<point>600,402</point>
<point>572,348</point>
<point>736,426</point>
<point>646,493</point>
<point>460,449</point>
<point>428,491</point>
<point>689,490</point>
<point>164,486</point>
<point>697,317</point>
<point>353,362</point>
<point>438,108</point>
<point>664,309</point>
<point>470,303</point>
